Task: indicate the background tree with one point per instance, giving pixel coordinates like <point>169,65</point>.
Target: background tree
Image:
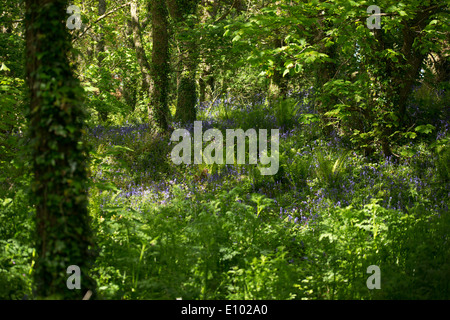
<point>160,65</point>
<point>136,36</point>
<point>100,51</point>
<point>181,12</point>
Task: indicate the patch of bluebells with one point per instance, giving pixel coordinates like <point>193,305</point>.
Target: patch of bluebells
<point>393,183</point>
<point>119,135</point>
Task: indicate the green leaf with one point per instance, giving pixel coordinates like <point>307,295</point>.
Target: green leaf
<point>236,38</point>
<point>407,153</point>
<point>4,67</point>
<point>426,128</point>
<point>307,118</point>
<point>289,64</point>
<point>410,135</point>
<point>6,201</point>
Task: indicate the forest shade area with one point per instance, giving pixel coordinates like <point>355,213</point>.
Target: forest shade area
<point>91,92</point>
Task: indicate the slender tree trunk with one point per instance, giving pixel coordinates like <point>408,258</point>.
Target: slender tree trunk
<point>160,65</point>
<point>130,80</point>
<point>325,71</point>
<point>206,80</point>
<point>140,52</point>
<point>100,50</point>
<point>202,89</point>
<point>58,159</point>
<point>279,82</point>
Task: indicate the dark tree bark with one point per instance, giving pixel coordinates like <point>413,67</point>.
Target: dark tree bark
<point>160,65</point>
<point>58,158</point>
<point>404,74</point>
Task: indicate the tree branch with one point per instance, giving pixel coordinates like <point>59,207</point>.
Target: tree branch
<point>100,18</point>
<point>223,16</point>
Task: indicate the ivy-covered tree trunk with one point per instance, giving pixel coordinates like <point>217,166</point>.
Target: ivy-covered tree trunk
<point>58,159</point>
<point>187,89</point>
<point>398,78</point>
<point>160,65</point>
<point>187,99</point>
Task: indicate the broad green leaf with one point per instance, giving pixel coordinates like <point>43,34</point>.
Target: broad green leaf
<point>427,128</point>
<point>4,67</point>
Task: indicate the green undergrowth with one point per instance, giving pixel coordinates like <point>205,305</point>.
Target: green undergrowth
<point>227,232</point>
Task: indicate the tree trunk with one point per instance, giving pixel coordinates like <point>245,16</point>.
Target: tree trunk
<point>58,159</point>
<point>279,82</point>
<point>140,52</point>
<point>186,88</point>
<point>325,71</point>
<point>100,49</point>
<point>206,80</point>
<point>160,65</point>
<point>403,74</point>
<point>406,80</point>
